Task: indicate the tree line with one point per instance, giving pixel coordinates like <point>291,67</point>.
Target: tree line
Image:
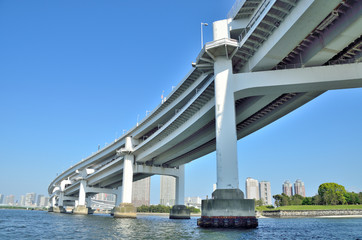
<point>328,194</point>
<point>162,209</point>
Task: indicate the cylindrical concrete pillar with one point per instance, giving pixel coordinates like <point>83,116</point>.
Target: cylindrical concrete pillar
<point>127,179</point>
<point>53,201</point>
<point>180,186</point>
<point>82,193</point>
<point>118,194</point>
<point>60,199</point>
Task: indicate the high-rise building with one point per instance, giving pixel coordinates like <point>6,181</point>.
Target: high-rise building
<point>22,200</point>
<point>299,188</point>
<point>193,202</point>
<point>38,200</point>
<point>288,188</point>
<point>168,190</point>
<point>265,192</point>
<point>10,200</point>
<point>252,188</point>
<point>141,192</point>
<point>1,198</point>
<point>43,202</point>
<point>30,199</point>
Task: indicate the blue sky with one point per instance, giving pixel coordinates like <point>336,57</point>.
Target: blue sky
<point>75,74</point>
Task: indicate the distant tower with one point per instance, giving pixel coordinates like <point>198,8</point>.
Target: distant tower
<point>10,200</point>
<point>168,190</point>
<point>141,192</point>
<point>39,199</point>
<point>22,200</point>
<point>43,201</point>
<point>299,188</point>
<point>288,188</point>
<point>30,199</point>
<point>252,188</point>
<point>265,192</point>
<point>1,198</point>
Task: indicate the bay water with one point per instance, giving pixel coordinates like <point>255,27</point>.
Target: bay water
<point>23,224</point>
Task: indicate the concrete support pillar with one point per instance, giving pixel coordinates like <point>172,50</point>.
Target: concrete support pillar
<point>88,201</point>
<point>52,204</point>
<point>53,201</point>
<point>180,186</point>
<point>60,199</point>
<point>59,208</point>
<point>82,193</point>
<point>81,205</point>
<point>227,208</point>
<point>127,179</point>
<point>179,210</point>
<point>126,209</point>
<point>119,196</point>
<point>226,149</point>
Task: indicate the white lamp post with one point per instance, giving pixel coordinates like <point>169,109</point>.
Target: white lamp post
<point>202,35</point>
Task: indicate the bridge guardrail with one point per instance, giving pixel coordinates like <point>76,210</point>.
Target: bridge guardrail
<point>253,19</point>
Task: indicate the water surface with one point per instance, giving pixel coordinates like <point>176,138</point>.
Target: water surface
<point>22,224</point>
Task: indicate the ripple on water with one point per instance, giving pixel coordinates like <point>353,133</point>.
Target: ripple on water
<point>16,224</point>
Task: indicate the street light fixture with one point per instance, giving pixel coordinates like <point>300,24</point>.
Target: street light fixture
<point>202,35</point>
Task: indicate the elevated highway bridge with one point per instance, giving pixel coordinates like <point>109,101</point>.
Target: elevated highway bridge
<point>268,58</point>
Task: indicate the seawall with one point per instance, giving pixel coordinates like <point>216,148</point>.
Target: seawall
<point>311,213</point>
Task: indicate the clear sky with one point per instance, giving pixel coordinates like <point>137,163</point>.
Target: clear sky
<point>75,74</point>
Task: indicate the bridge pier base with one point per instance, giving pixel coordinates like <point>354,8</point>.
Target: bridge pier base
<point>228,209</point>
<point>125,210</point>
<point>179,212</point>
<point>59,209</point>
<point>83,210</point>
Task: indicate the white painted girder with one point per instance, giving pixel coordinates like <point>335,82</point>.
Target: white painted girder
<point>298,80</point>
<point>296,26</point>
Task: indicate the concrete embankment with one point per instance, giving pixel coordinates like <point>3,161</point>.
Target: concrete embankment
<point>313,213</point>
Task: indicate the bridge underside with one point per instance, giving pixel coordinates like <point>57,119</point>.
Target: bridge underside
<point>262,98</point>
<point>268,59</point>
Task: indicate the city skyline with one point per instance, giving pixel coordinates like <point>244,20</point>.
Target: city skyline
<point>71,84</point>
<point>27,200</point>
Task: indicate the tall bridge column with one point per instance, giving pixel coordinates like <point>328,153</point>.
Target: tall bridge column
<point>118,196</point>
<point>179,210</point>
<point>228,208</point>
<point>126,209</point>
<point>60,207</point>
<point>82,207</point>
<point>52,202</point>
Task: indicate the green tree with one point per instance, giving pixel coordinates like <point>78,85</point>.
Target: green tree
<point>332,193</point>
<point>316,200</point>
<point>143,208</point>
<point>278,200</point>
<point>193,210</point>
<point>281,200</point>
<point>352,198</point>
<point>285,200</point>
<point>307,201</point>
<point>296,200</point>
<point>259,203</point>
